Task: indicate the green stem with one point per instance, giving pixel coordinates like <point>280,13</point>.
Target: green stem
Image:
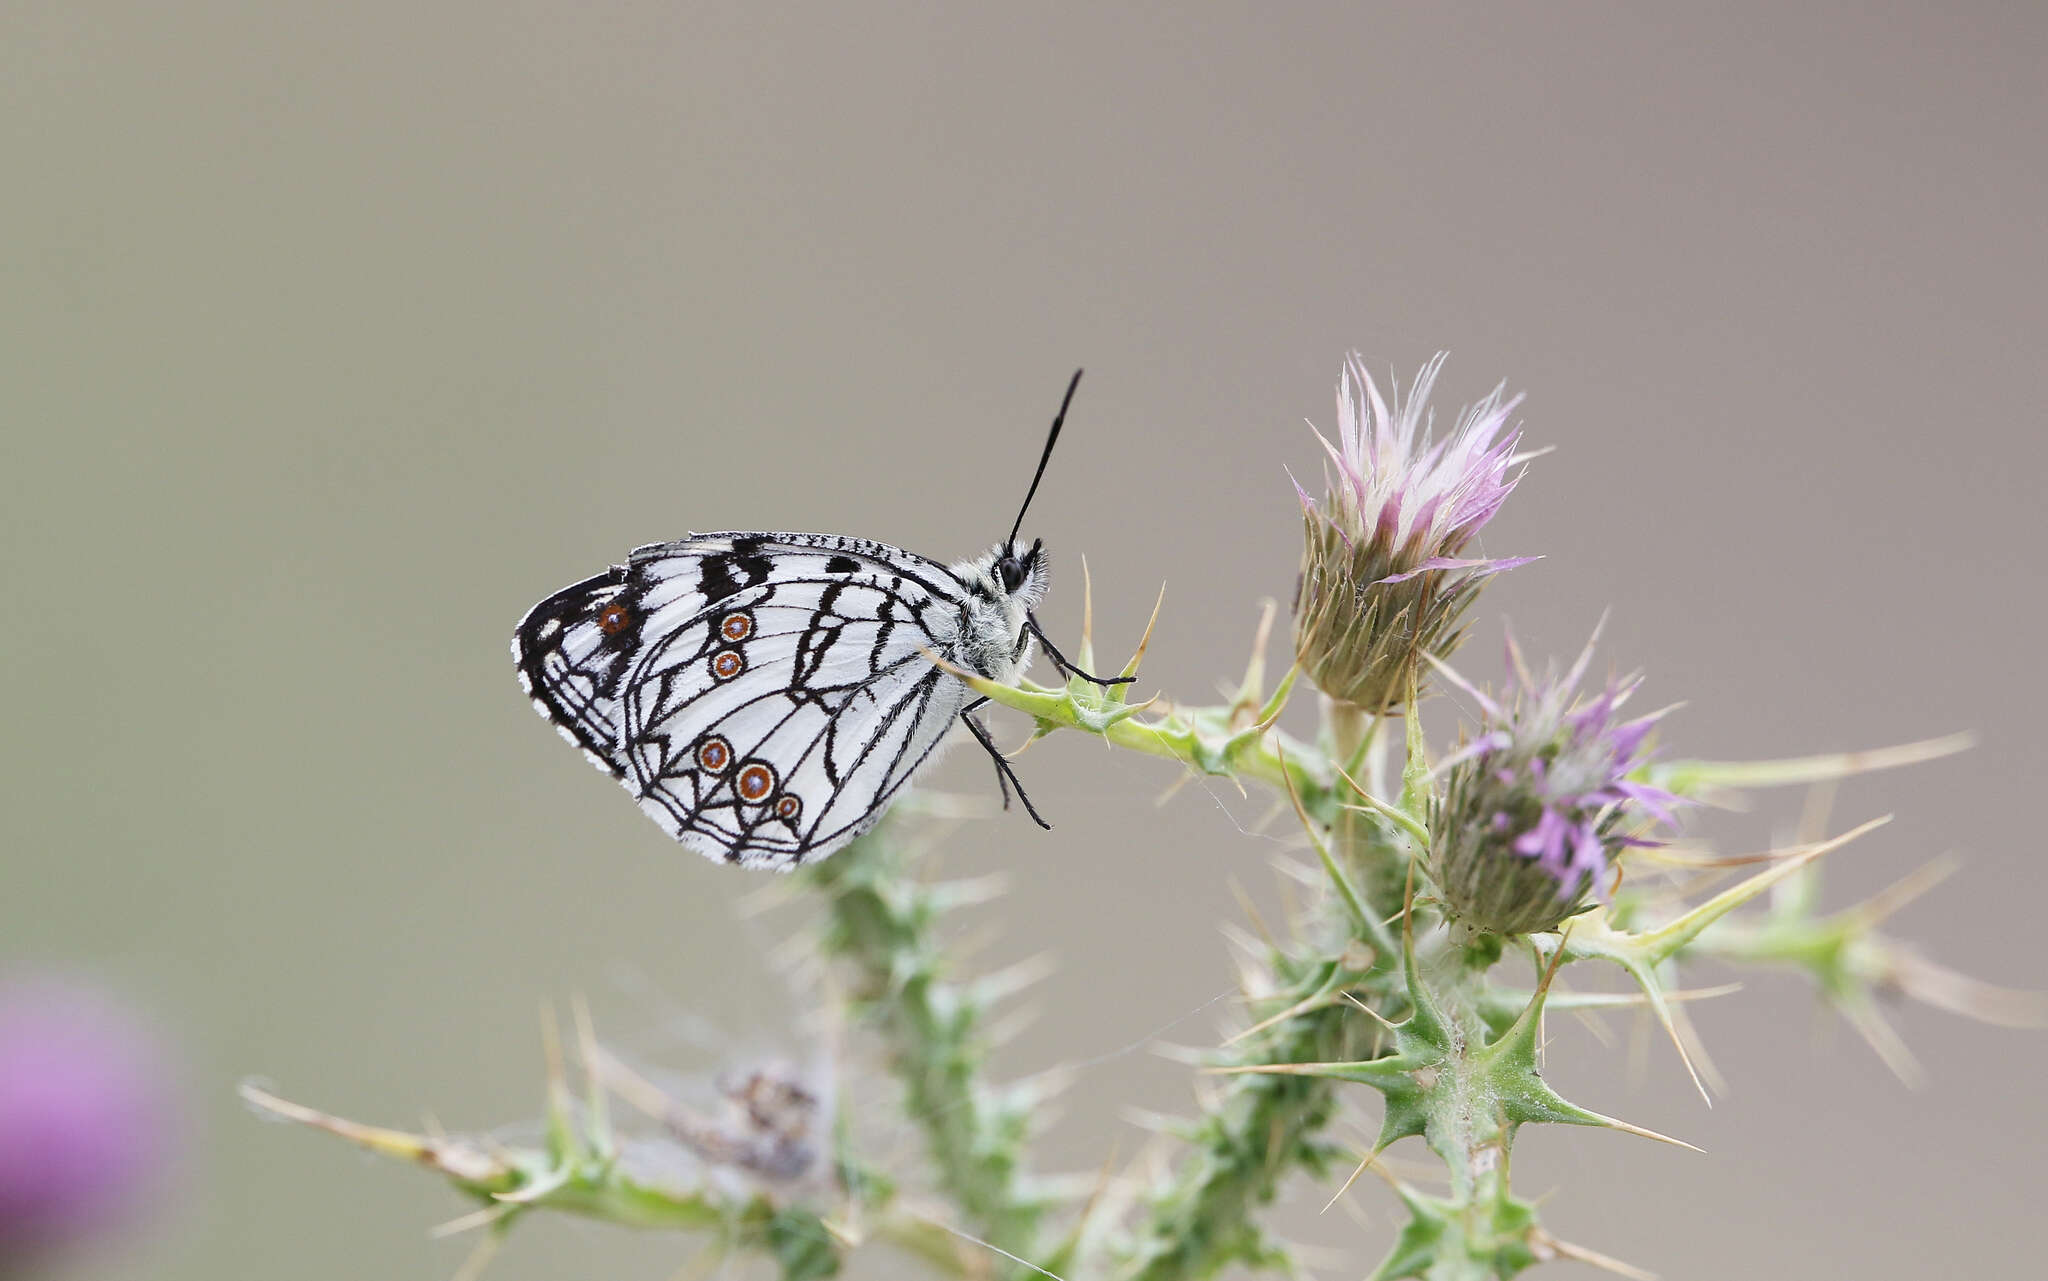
<point>880,922</point>
<point>1268,1124</point>
<point>1264,1127</point>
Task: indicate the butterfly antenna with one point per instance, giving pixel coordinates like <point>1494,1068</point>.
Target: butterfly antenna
<point>1051,438</point>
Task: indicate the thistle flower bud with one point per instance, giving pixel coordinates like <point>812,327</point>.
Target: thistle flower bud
<point>1383,576</point>
<point>1532,811</point>
<point>84,1117</point>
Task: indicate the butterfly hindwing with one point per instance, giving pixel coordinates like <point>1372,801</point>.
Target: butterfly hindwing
<point>572,651</point>
<point>762,695</point>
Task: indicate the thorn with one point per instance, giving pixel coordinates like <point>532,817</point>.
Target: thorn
<point>1877,1031</point>
<point>638,1092</point>
<point>1363,1166</point>
<point>1814,813</point>
<point>1958,993</point>
<point>561,1131</point>
<point>1596,1026</point>
<point>975,891</point>
<point>1155,1122</point>
<point>1671,856</point>
<point>470,1222</point>
<point>987,1245</point>
<point>599,1125</point>
<point>1193,1056</point>
<point>1668,1019</point>
<point>1172,789</point>
<point>1145,641</point>
<point>1314,1001</point>
<point>479,1258</point>
<point>1889,901</point>
<point>994,988</point>
<point>847,1235</point>
<point>1542,1240</point>
<point>1269,715</point>
<point>1738,775</point>
<point>1665,941</point>
<point>1493,710</point>
<point>468,1163</point>
<point>1345,890</point>
<point>1520,665</point>
<point>1009,1027</point>
<point>1251,912</point>
<point>1374,805</point>
<point>1271,1069</point>
<point>1087,615</point>
<point>551,1047</point>
<point>1383,1020</point>
<point>1692,1048</point>
<point>768,896</point>
<point>1251,690</point>
<point>1613,1123</point>
<point>1525,1029</point>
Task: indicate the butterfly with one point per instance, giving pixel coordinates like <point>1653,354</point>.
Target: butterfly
<point>764,696</point>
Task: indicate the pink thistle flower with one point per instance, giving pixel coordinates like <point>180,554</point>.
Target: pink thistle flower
<point>1535,807</point>
<point>85,1117</point>
<point>1385,577</point>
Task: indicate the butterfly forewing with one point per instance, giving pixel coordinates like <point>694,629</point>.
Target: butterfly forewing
<point>763,695</point>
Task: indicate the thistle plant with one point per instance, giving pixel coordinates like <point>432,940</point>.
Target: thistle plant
<point>1550,828</point>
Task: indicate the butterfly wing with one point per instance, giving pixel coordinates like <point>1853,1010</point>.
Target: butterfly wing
<point>774,697</point>
<point>571,652</point>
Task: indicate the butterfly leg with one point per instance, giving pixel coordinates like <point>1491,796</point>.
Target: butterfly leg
<point>1059,660</point>
<point>1006,777</point>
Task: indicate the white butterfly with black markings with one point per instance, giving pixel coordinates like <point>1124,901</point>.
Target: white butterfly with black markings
<point>765,696</point>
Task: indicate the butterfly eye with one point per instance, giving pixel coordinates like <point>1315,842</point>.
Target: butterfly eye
<point>1011,570</point>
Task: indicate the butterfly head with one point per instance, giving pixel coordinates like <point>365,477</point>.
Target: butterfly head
<point>1022,573</point>
<point>1011,576</point>
<point>1002,586</point>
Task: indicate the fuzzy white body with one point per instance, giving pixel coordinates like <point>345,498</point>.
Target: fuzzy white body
<point>992,640</point>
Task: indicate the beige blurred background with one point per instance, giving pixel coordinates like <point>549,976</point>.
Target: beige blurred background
<point>331,337</point>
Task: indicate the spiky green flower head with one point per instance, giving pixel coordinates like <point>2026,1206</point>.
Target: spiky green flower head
<point>1385,577</point>
<point>1533,810</point>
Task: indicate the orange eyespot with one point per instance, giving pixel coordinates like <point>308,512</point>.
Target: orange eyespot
<point>714,754</point>
<point>756,781</point>
<point>614,618</point>
<point>788,807</point>
<point>727,663</point>
<point>736,627</point>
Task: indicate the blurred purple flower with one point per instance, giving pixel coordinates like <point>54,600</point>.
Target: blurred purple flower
<point>1385,577</point>
<point>85,1115</point>
<point>1535,806</point>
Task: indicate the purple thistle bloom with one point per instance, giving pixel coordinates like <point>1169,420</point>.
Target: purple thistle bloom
<point>1533,809</point>
<point>85,1116</point>
<point>1385,577</point>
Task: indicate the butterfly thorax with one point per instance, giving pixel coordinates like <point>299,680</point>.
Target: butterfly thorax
<point>993,641</point>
